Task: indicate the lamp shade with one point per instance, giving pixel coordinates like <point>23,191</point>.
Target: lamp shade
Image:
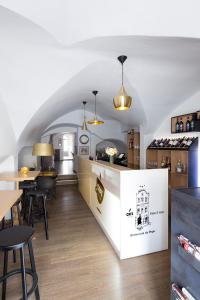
<point>43,149</point>
<point>95,121</point>
<point>122,101</point>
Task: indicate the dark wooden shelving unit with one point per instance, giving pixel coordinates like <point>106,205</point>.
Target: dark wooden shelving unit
<point>185,268</point>
<point>188,157</point>
<point>134,150</point>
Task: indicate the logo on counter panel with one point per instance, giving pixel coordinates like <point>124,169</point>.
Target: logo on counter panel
<point>100,190</point>
<point>142,208</point>
<point>141,211</point>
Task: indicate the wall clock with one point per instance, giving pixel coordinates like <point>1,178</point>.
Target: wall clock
<point>84,139</point>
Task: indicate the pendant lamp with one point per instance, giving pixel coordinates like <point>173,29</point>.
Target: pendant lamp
<point>84,126</point>
<point>95,121</point>
<point>122,101</point>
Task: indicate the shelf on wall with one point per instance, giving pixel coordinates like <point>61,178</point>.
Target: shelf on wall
<point>194,117</point>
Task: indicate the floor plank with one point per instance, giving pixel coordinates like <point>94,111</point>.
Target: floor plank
<point>78,262</point>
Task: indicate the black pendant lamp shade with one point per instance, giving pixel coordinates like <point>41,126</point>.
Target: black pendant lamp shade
<point>84,126</point>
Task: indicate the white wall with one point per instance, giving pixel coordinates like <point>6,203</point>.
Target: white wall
<point>110,129</point>
<point>7,137</point>
<point>25,158</point>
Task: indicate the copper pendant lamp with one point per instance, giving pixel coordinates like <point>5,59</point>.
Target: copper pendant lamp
<point>95,121</point>
<point>84,126</point>
<point>122,101</point>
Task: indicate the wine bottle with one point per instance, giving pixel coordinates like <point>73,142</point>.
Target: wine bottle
<point>179,144</point>
<point>161,143</point>
<point>188,124</point>
<point>152,143</point>
<point>168,163</point>
<point>163,162</point>
<point>177,126</point>
<point>166,143</point>
<point>181,125</point>
<point>170,144</point>
<point>182,142</point>
<point>175,143</point>
<point>179,167</point>
<point>190,141</point>
<point>192,123</point>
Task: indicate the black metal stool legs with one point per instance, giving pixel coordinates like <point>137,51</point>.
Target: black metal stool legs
<point>33,268</point>
<point>5,269</point>
<point>23,273</point>
<point>3,223</point>
<point>45,216</point>
<point>12,224</point>
<point>30,217</point>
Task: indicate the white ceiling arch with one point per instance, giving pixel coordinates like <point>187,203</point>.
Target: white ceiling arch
<point>72,21</point>
<point>42,78</point>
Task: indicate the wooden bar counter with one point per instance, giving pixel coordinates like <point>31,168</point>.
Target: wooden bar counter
<point>131,206</point>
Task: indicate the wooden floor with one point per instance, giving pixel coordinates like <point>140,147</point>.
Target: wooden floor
<point>79,263</point>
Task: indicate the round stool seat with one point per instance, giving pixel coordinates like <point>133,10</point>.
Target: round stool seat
<point>27,185</point>
<point>36,193</point>
<point>15,237</point>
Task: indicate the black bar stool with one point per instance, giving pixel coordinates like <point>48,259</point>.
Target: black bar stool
<point>26,186</point>
<point>39,196</point>
<point>3,223</point>
<point>16,238</point>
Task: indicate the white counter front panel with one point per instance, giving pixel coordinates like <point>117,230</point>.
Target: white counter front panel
<point>107,213</point>
<point>144,212</point>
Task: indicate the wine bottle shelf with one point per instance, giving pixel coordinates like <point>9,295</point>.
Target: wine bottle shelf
<point>186,123</point>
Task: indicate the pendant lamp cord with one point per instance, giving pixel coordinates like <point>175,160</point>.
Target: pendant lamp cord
<point>122,75</point>
<point>95,106</point>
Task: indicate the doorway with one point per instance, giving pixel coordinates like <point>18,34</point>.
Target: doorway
<point>65,149</point>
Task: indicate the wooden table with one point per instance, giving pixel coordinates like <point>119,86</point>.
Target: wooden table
<point>7,200</point>
<point>18,177</point>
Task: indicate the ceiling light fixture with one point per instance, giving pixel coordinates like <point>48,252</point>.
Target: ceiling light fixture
<point>95,121</point>
<point>84,126</point>
<point>122,101</point>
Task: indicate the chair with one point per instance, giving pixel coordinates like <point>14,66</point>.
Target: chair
<point>13,239</point>
<point>47,184</point>
<point>40,197</point>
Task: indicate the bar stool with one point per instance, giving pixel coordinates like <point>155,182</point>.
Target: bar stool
<point>26,186</point>
<point>16,238</point>
<point>3,223</point>
<point>38,195</point>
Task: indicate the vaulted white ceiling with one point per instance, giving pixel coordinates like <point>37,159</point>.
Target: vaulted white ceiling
<point>54,53</point>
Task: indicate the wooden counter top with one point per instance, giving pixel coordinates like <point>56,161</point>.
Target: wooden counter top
<point>7,200</point>
<point>110,166</point>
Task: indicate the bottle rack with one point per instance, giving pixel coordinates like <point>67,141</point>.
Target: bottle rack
<point>186,123</point>
<point>188,157</point>
<point>134,150</point>
<point>183,143</point>
<point>185,268</point>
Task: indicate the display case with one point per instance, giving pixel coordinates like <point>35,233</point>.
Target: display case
<point>185,221</point>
